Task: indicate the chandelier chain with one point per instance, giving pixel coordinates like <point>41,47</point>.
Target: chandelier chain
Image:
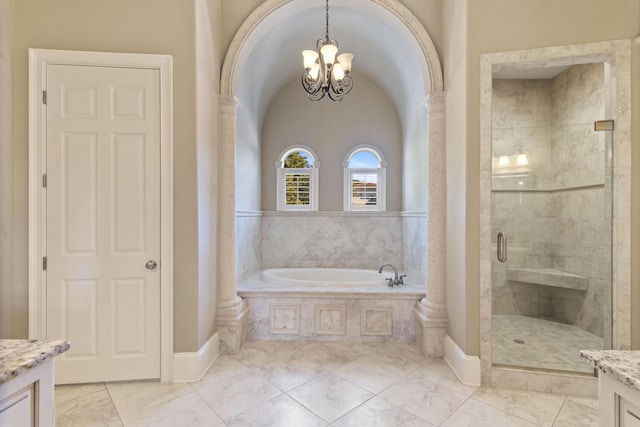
<point>326,31</point>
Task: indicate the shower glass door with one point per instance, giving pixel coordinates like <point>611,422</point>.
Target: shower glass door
<point>551,220</point>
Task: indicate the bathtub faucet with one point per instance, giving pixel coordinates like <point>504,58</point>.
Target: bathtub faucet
<point>392,282</point>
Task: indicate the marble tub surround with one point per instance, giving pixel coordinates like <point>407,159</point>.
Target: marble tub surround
<point>254,286</point>
<point>19,356</point>
<point>360,240</point>
<point>624,365</point>
<point>305,313</point>
<point>331,239</point>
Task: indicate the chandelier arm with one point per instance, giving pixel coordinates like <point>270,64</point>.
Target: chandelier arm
<point>325,82</point>
<point>340,89</point>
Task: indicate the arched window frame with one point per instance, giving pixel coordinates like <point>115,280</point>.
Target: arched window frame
<point>281,176</point>
<point>379,172</point>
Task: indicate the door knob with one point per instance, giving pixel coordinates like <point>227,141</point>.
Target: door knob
<point>151,265</point>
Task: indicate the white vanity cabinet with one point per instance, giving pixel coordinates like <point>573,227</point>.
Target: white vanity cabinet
<point>618,386</point>
<point>26,382</point>
<point>20,409</point>
<point>629,414</point>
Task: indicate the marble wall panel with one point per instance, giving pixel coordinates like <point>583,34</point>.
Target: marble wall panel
<point>248,240</point>
<point>331,319</point>
<point>376,320</point>
<point>335,241</point>
<point>521,103</point>
<point>578,94</point>
<point>284,319</point>
<point>414,247</point>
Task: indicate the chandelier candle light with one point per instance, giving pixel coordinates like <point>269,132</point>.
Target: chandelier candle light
<point>324,74</point>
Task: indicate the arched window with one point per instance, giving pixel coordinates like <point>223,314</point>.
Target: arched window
<point>297,175</point>
<point>365,179</point>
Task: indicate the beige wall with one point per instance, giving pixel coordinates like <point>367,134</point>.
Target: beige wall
<point>208,64</point>
<point>430,13</point>
<point>143,26</point>
<point>167,27</point>
<point>6,190</point>
<point>462,301</point>
<point>501,25</point>
<point>366,116</point>
<point>235,12</point>
<point>635,200</point>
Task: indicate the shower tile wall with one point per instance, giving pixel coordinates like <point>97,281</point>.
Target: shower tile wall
<point>566,229</point>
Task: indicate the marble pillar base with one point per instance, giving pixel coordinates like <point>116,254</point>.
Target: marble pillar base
<point>232,328</point>
<point>431,330</point>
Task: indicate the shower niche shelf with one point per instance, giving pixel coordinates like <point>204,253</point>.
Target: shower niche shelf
<point>548,277</point>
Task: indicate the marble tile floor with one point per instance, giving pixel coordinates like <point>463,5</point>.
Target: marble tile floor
<point>293,383</point>
<point>542,344</point>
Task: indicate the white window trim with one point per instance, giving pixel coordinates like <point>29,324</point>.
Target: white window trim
<point>381,188</point>
<point>314,181</point>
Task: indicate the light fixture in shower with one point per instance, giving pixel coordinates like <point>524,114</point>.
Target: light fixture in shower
<point>510,166</point>
<point>324,74</point>
<point>522,160</point>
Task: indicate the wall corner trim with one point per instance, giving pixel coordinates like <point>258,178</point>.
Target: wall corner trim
<point>191,366</point>
<point>466,368</point>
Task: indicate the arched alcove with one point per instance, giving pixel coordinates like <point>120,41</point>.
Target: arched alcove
<point>400,58</point>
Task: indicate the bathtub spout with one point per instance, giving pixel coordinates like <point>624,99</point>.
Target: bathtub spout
<point>396,280</point>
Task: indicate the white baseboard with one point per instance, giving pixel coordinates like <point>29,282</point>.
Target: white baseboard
<point>191,367</point>
<point>466,368</point>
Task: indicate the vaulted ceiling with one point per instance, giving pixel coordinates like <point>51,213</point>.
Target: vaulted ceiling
<point>383,48</point>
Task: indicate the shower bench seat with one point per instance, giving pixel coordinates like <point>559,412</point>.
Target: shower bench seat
<point>548,277</point>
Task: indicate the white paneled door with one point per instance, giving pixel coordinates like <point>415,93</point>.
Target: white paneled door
<point>102,222</point>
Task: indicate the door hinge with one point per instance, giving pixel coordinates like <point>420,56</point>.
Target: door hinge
<point>44,97</point>
<point>44,262</point>
<point>44,180</point>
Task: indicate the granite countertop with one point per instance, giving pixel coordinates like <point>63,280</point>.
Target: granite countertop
<point>18,356</point>
<point>624,365</point>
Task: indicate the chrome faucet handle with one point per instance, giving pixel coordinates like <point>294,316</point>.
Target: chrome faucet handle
<point>400,279</point>
<point>390,280</point>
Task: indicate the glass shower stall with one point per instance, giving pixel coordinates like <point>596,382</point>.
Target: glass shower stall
<point>551,211</point>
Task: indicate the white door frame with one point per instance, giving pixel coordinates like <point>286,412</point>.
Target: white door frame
<point>38,61</point>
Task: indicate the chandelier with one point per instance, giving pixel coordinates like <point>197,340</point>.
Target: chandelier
<point>324,74</point>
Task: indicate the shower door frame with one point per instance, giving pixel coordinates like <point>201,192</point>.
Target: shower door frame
<point>616,55</point>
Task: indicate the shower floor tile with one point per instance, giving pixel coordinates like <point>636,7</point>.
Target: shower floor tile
<point>537,343</point>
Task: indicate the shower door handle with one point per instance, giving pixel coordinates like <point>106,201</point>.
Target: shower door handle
<point>502,247</point>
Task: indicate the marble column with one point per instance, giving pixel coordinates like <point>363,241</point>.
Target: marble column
<point>431,311</point>
<point>231,318</point>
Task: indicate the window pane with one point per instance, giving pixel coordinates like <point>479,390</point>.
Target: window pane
<point>297,188</point>
<point>364,159</point>
<point>298,159</point>
<point>364,189</point>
